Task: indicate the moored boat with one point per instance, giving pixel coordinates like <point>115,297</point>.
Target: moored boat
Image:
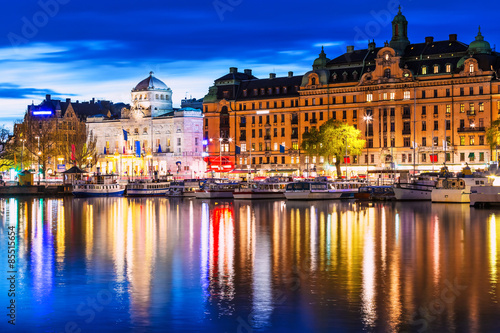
<point>221,189</point>
<point>184,188</point>
<point>271,188</point>
<point>143,188</point>
<point>375,192</point>
<point>311,191</point>
<point>98,186</point>
<point>485,196</point>
<point>458,190</point>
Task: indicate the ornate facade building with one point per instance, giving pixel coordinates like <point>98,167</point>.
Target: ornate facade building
<point>422,103</point>
<point>150,135</point>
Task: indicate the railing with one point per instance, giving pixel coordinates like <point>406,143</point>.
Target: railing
<point>295,121</point>
<point>267,137</point>
<point>471,112</point>
<point>406,131</point>
<point>471,129</point>
<point>295,136</point>
<point>243,125</point>
<point>313,121</point>
<point>406,115</point>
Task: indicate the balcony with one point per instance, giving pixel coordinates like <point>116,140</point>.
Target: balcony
<point>313,121</point>
<point>267,137</point>
<point>295,136</point>
<point>406,131</point>
<point>406,115</point>
<point>295,121</point>
<point>243,125</point>
<point>471,112</point>
<point>471,129</point>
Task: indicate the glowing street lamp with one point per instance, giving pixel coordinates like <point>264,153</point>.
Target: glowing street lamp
<point>367,118</point>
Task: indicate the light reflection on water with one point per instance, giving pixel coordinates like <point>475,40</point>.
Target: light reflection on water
<point>121,264</point>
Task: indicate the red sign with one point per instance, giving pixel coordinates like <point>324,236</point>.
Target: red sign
<point>220,163</point>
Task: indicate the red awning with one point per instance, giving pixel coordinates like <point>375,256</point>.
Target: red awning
<point>220,163</point>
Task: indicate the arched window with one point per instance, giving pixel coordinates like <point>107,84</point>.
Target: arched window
<point>471,68</point>
<point>161,97</point>
<point>156,96</point>
<point>387,73</point>
<point>313,81</point>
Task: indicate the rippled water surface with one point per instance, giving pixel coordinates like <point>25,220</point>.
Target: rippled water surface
<point>157,265</point>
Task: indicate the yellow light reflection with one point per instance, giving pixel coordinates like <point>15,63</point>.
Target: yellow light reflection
<point>492,236</point>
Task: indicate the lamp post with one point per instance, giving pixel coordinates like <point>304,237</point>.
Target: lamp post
<point>38,162</point>
<point>22,155</point>
<point>367,118</point>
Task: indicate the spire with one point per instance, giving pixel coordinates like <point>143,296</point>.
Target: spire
<point>151,73</point>
<point>321,61</point>
<point>399,40</point>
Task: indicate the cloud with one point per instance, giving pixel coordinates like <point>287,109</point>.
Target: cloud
<point>13,91</point>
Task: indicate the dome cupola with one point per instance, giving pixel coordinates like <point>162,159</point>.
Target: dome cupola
<point>479,46</point>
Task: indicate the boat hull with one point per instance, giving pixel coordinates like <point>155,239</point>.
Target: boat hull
<point>413,194</point>
<point>147,192</point>
<point>256,195</point>
<point>97,193</point>
<point>450,195</point>
<point>308,195</point>
<point>214,195</point>
<point>485,196</point>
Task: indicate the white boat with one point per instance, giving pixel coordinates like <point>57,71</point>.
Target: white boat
<point>216,190</point>
<point>311,191</point>
<point>485,196</point>
<point>456,190</point>
<point>420,188</point>
<point>142,188</point>
<point>98,186</point>
<point>347,187</point>
<point>184,188</point>
<point>271,188</point>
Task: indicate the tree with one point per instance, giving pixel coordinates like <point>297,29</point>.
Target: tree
<point>493,135</point>
<point>7,149</point>
<point>334,139</point>
<point>80,147</point>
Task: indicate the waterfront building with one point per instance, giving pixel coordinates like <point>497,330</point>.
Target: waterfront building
<point>150,136</point>
<point>422,103</point>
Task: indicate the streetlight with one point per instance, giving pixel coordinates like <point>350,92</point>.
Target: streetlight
<point>22,155</point>
<point>38,162</point>
<point>367,118</point>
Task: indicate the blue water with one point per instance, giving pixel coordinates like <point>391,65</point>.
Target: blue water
<point>187,265</point>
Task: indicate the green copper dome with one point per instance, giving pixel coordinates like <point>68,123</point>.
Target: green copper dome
<point>399,18</point>
<point>321,61</point>
<point>479,45</point>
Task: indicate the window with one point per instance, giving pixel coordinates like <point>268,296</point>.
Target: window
<point>407,94</point>
<point>424,158</point>
<point>471,108</point>
<point>385,96</point>
<point>306,102</point>
<point>244,148</point>
<point>260,147</point>
<point>448,157</point>
<point>282,118</point>
<point>387,73</point>
<point>393,96</point>
<point>409,158</point>
<point>448,108</point>
<point>403,158</point>
<point>481,106</point>
<point>462,123</point>
<point>295,145</point>
<point>344,114</point>
<point>481,157</point>
<point>447,92</point>
<point>436,125</point>
<point>447,125</point>
<point>424,141</point>
<point>354,114</point>
<point>393,126</point>
<point>424,110</point>
<point>275,118</point>
<point>462,107</point>
<point>435,109</point>
<point>369,97</point>
<point>424,126</point>
<point>372,158</point>
<point>275,146</point>
<point>471,140</point>
<point>253,133</point>
<point>260,119</point>
<point>480,90</point>
<point>260,132</point>
<point>334,115</point>
<point>423,93</point>
<point>282,131</point>
<point>481,139</point>
<point>462,92</point>
<point>436,69</point>
<point>471,90</point>
<point>406,142</point>
<point>435,93</point>
<point>306,129</point>
<point>448,68</point>
<point>321,116</point>
<point>462,140</point>
<point>424,70</point>
<point>462,157</point>
<point>275,132</point>
<point>471,68</point>
<point>435,141</point>
<point>178,141</point>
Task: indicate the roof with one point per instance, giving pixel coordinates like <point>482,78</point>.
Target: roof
<point>150,83</point>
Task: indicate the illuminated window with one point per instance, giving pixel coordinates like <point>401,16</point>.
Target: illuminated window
<point>275,146</point>
<point>393,95</point>
<point>295,145</point>
<point>471,68</point>
<point>462,140</point>
<point>292,160</point>
<point>407,94</point>
<point>462,107</point>
<point>471,140</point>
<point>369,97</point>
<point>424,70</point>
<point>481,107</point>
<point>436,69</point>
<point>448,108</point>
<point>471,107</point>
<point>385,96</point>
<point>448,68</point>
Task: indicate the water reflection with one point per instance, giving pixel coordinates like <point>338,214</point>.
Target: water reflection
<point>236,265</point>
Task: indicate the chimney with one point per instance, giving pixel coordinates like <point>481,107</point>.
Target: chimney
<point>68,100</point>
<point>233,69</point>
<point>272,75</point>
<point>92,101</point>
<point>350,48</point>
<point>453,37</point>
<point>429,39</point>
<point>290,74</point>
<point>248,71</point>
<point>47,97</point>
<point>371,45</point>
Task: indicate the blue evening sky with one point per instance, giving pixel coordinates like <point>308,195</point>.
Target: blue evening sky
<point>85,49</point>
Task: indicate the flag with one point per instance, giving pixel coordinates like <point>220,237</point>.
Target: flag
<point>125,135</point>
<point>104,150</point>
<point>159,148</point>
<point>73,152</point>
<point>238,150</point>
<point>433,158</point>
<point>282,149</point>
<point>138,148</point>
<point>445,144</point>
<point>347,159</point>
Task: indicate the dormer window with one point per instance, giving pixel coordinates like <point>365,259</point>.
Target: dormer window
<point>245,93</point>
<point>387,73</point>
<point>269,91</point>
<point>313,81</point>
<point>424,70</point>
<point>448,68</point>
<point>355,75</point>
<point>255,92</point>
<point>277,90</point>
<point>226,94</point>
<point>262,91</point>
<point>387,56</point>
<point>344,75</point>
<point>436,69</point>
<point>284,90</point>
<point>471,68</point>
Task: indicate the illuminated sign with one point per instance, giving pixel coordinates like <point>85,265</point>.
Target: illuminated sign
<point>42,113</point>
<point>262,112</point>
<point>205,142</point>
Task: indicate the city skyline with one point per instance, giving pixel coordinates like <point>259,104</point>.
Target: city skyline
<point>50,47</point>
